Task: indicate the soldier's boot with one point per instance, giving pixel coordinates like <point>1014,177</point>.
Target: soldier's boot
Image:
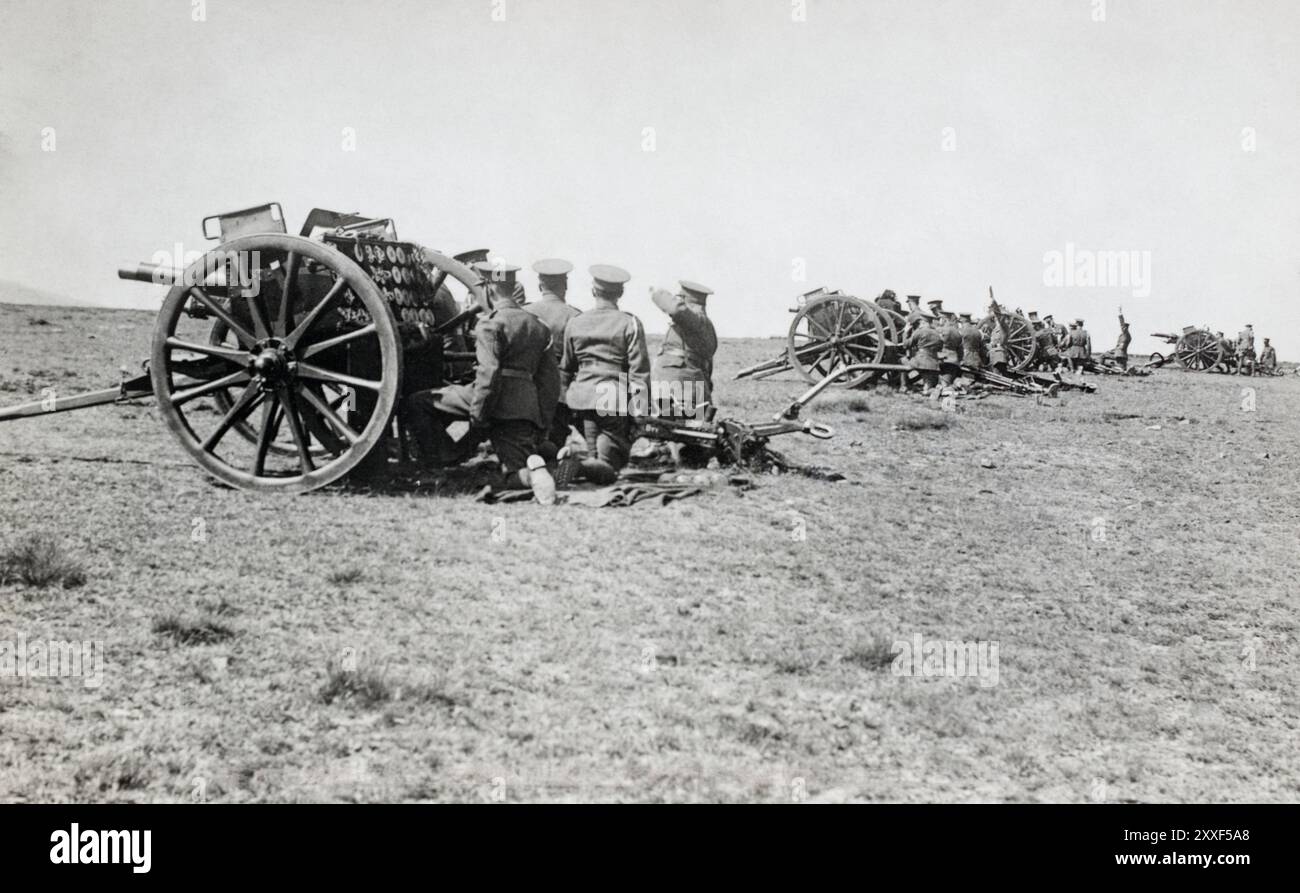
<point>598,471</point>
<point>540,480</point>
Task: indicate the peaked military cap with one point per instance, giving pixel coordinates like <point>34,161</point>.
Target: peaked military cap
<point>609,279</point>
<point>694,289</point>
<point>496,272</point>
<point>552,266</point>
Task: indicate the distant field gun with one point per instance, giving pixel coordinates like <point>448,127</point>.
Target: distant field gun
<point>1197,350</point>
<point>304,344</point>
<point>832,330</point>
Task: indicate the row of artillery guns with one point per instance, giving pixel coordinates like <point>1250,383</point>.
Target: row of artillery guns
<point>280,362</point>
<point>857,343</point>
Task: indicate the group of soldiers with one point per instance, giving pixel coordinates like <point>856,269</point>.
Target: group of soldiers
<point>544,367</point>
<point>1239,355</point>
<point>940,344</point>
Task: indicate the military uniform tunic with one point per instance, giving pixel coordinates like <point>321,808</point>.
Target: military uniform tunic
<point>605,370</point>
<point>513,396</point>
<point>686,356</point>
<point>972,346</point>
<point>555,314</point>
<point>924,347</point>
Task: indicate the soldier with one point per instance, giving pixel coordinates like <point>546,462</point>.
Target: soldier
<point>1120,352</point>
<point>1267,359</point>
<point>605,372</point>
<point>551,309</point>
<point>1246,351</point>
<point>915,315</point>
<point>1046,354</point>
<point>1080,347</point>
<point>1227,350</point>
<point>951,340</point>
<point>1057,330</point>
<point>973,352</point>
<point>684,366</point>
<point>512,399</point>
<point>889,301</point>
<point>923,347</point>
<point>998,340</point>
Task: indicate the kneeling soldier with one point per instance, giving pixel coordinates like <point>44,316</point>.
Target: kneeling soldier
<point>551,309</point>
<point>513,397</point>
<point>605,372</point>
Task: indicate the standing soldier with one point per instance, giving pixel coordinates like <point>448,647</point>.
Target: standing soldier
<point>923,347</point>
<point>950,340</point>
<point>1246,351</point>
<point>997,338</point>
<point>973,352</point>
<point>1268,359</point>
<point>551,309</point>
<point>512,399</point>
<point>1082,346</point>
<point>605,371</point>
<point>684,365</point>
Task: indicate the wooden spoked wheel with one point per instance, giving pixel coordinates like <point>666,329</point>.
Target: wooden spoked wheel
<point>1021,342</point>
<point>835,331</point>
<point>1199,351</point>
<point>313,374</point>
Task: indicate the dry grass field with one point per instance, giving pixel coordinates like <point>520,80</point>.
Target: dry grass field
<point>1131,554</point>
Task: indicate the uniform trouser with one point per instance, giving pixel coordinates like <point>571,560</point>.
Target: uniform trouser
<point>428,413</point>
<point>1119,356</point>
<point>609,437</point>
<point>559,433</point>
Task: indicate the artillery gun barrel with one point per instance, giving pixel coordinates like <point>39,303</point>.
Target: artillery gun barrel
<point>157,274</point>
<point>153,273</point>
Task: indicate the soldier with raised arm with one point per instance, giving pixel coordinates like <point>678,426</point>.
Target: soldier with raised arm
<point>605,370</point>
<point>683,369</point>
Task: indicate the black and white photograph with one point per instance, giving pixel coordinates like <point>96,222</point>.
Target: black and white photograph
<point>569,404</point>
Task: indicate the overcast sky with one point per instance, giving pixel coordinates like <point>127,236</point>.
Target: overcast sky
<point>929,147</point>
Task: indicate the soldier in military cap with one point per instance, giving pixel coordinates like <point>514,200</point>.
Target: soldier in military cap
<point>1046,352</point>
<point>1267,359</point>
<point>605,371</point>
<point>513,396</point>
<point>1228,351</point>
<point>915,315</point>
<point>974,355</point>
<point>684,365</point>
<point>555,313</point>
<point>1119,353</point>
<point>923,348</point>
<point>683,373</point>
<point>1246,350</point>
